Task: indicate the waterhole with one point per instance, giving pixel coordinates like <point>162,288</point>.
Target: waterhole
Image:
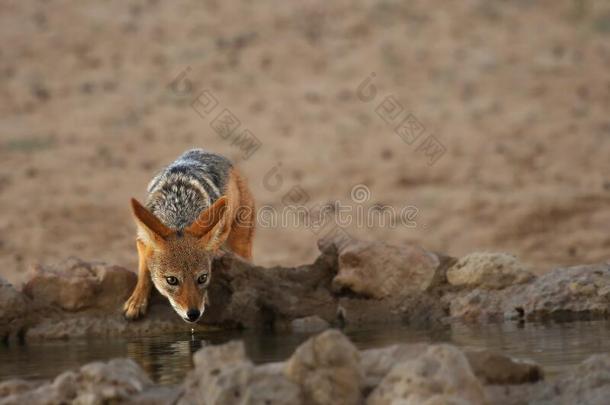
<point>167,358</point>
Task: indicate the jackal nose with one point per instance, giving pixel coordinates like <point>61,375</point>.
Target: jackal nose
<point>193,314</point>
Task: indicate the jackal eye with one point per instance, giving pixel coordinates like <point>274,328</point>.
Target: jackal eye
<point>202,278</point>
<point>171,280</point>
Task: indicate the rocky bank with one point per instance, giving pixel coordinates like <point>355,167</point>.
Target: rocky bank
<point>328,369</point>
<point>351,283</point>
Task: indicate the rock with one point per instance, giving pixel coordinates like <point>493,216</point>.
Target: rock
<point>580,292</point>
<point>587,383</point>
<point>80,299</point>
<point>224,375</point>
<point>488,271</point>
<point>420,310</point>
<point>359,311</point>
<point>378,270</point>
<point>76,285</point>
<point>495,368</point>
<point>441,375</point>
<point>376,363</point>
<point>309,324</point>
<point>14,311</point>
<point>95,383</point>
<point>481,305</point>
<point>488,366</point>
<point>219,371</point>
<point>245,295</point>
<point>327,368</point>
<point>160,318</point>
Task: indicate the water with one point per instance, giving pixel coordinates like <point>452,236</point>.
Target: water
<point>167,358</point>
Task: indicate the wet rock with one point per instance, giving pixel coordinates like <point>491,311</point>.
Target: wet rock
<point>488,271</point>
<point>580,292</point>
<point>309,324</point>
<point>587,383</point>
<point>360,311</point>
<point>95,383</point>
<point>160,318</point>
<point>14,311</point>
<point>327,368</point>
<point>76,285</point>
<point>481,305</point>
<point>418,309</point>
<point>379,270</point>
<point>242,294</point>
<point>494,368</point>
<point>441,375</point>
<point>224,375</point>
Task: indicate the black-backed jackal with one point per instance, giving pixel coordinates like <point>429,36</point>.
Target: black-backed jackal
<point>195,205</point>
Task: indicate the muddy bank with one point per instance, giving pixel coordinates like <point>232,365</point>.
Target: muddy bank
<point>351,283</point>
<point>328,369</point>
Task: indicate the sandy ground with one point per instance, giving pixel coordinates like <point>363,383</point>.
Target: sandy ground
<point>516,94</point>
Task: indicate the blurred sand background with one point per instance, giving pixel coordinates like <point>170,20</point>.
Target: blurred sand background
<point>518,93</point>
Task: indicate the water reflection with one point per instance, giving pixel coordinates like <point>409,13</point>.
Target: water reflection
<point>164,358</point>
<point>167,358</point>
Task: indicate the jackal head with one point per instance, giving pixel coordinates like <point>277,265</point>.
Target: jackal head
<point>180,261</point>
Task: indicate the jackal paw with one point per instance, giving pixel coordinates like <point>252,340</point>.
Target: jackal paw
<point>135,307</point>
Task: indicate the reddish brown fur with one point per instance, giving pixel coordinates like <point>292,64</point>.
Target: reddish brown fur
<point>238,222</point>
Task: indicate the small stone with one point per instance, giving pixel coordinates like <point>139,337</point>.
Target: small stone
<point>95,383</point>
<point>327,368</point>
<point>224,375</point>
<point>441,375</point>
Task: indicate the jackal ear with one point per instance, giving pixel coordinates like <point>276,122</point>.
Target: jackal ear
<point>150,228</point>
<point>208,226</point>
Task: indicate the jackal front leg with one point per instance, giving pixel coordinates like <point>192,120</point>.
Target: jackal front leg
<point>136,305</point>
